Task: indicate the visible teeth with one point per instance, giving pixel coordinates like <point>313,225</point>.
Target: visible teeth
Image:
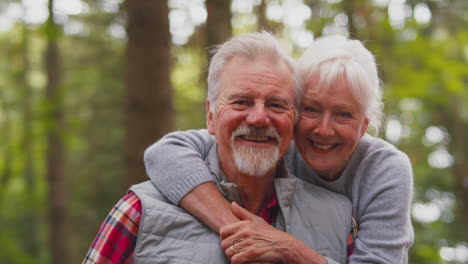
<point>324,147</point>
<point>254,138</point>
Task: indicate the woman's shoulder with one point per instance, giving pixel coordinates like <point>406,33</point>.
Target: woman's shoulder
<point>378,159</point>
<point>374,149</point>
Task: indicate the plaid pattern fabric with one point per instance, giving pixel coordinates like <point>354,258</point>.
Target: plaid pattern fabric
<point>116,239</point>
<point>352,236</point>
<point>269,213</point>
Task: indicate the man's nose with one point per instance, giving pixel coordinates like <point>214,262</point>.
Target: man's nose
<point>325,126</point>
<point>258,116</point>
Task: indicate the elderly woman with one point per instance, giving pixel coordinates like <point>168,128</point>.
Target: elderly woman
<point>342,99</point>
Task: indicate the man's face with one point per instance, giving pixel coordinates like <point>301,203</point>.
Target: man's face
<point>331,124</point>
<point>254,119</point>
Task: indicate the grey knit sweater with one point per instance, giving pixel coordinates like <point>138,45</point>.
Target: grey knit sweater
<point>378,180</point>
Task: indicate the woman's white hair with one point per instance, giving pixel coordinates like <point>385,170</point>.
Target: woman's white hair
<point>333,58</point>
<point>251,45</point>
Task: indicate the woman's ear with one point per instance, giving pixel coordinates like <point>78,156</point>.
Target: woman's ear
<point>364,127</point>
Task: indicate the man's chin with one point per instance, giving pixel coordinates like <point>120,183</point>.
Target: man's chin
<point>256,161</point>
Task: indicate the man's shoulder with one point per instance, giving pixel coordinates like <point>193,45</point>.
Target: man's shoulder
<point>147,192</point>
<point>144,187</point>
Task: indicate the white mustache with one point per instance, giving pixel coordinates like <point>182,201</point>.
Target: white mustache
<point>253,131</point>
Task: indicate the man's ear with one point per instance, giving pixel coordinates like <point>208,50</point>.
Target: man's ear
<point>209,118</point>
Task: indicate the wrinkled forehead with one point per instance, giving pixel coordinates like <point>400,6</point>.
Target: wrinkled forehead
<point>258,69</point>
<point>334,86</point>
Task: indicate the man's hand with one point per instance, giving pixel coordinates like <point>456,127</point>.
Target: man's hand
<point>253,240</point>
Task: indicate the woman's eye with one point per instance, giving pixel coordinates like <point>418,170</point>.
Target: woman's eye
<point>310,109</point>
<point>345,114</point>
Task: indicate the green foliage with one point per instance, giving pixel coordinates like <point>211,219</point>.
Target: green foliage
<point>423,68</point>
<point>190,90</point>
<point>429,71</point>
<point>11,253</point>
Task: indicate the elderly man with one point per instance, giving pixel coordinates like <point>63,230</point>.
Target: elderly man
<point>251,110</point>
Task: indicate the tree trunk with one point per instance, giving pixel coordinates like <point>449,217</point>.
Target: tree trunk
<point>6,173</point>
<point>30,220</point>
<point>261,16</point>
<point>218,22</point>
<point>316,23</point>
<point>218,28</point>
<point>59,231</point>
<point>349,7</point>
<point>460,167</point>
<point>149,109</point>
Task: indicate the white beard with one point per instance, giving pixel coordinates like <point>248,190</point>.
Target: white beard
<point>255,161</point>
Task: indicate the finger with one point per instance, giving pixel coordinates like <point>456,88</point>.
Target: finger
<point>261,247</point>
<point>228,230</point>
<point>243,257</point>
<point>229,253</point>
<point>253,256</point>
<point>231,240</point>
<point>242,213</point>
<point>232,250</point>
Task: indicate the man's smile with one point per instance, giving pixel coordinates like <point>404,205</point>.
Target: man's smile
<point>257,138</point>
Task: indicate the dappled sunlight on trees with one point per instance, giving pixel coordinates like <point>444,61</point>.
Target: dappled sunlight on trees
<point>65,113</point>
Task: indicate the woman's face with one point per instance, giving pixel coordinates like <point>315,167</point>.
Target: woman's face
<point>330,127</point>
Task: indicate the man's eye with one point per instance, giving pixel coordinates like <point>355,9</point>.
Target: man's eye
<point>241,102</point>
<point>279,106</point>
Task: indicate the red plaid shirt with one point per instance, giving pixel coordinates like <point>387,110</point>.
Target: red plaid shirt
<point>116,239</point>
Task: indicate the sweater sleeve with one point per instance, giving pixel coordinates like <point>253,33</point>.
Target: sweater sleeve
<point>383,209</point>
<point>175,164</point>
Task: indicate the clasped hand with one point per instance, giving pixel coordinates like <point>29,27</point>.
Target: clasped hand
<point>253,240</point>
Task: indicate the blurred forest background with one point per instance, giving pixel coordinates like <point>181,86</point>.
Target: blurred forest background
<point>87,85</point>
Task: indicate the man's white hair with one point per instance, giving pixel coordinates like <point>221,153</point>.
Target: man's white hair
<point>333,58</point>
<point>251,45</point>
